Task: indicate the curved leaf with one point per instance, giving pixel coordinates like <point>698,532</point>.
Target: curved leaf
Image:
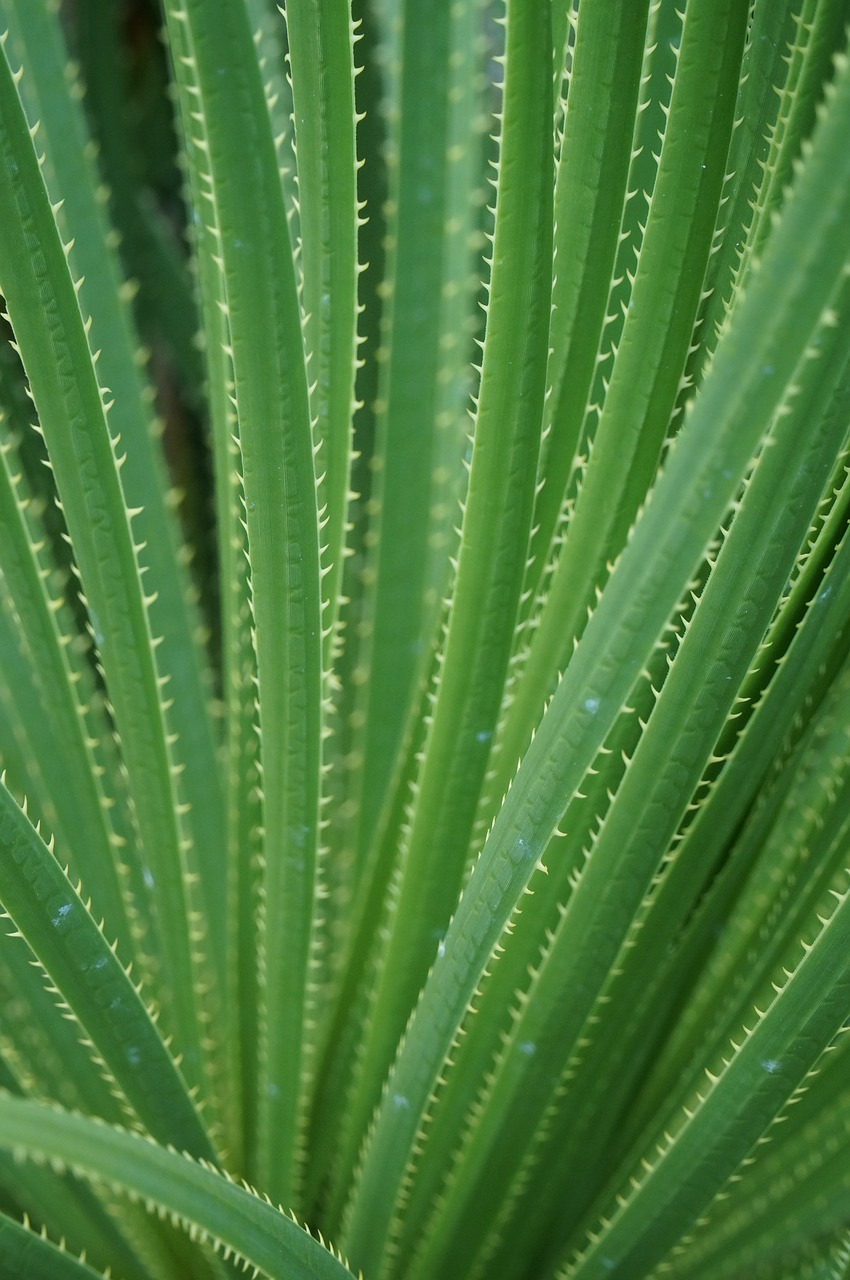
<point>215,1209</point>
<point>51,916</point>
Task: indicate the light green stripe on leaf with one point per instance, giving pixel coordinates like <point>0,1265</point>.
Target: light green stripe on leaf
<point>238,656</point>
<point>425,378</point>
<point>322,76</point>
<point>492,555</point>
<point>596,148</point>
<point>281,514</point>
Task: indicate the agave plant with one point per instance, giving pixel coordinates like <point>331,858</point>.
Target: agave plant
<point>424,617</point>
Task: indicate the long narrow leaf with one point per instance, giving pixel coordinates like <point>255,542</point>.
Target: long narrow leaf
<point>238,1222</point>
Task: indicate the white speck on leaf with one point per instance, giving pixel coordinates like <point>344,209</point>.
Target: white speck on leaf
<point>63,911</point>
<point>591,705</point>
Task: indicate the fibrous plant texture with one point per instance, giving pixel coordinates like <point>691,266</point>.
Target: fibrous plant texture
<point>424,617</point>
